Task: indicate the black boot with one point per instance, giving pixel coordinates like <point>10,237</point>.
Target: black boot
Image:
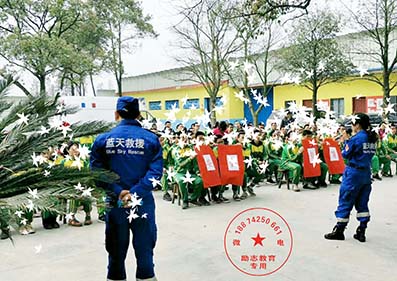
<point>360,234</point>
<point>47,223</point>
<point>54,221</point>
<point>185,205</point>
<point>5,233</point>
<point>336,234</point>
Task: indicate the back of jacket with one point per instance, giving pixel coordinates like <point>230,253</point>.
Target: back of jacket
<point>135,154</point>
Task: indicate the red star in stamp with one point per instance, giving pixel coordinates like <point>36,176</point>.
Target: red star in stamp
<point>258,240</point>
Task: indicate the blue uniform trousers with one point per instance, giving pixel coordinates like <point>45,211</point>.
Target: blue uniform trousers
<point>354,191</point>
<point>117,240</point>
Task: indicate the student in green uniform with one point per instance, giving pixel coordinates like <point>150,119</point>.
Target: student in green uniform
<point>249,169</point>
<point>186,163</point>
<point>291,159</point>
<point>167,164</point>
<point>391,141</point>
<point>381,158</point>
<point>258,153</point>
<point>274,148</point>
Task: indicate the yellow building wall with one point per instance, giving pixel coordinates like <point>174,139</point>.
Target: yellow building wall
<point>348,90</point>
<point>233,109</point>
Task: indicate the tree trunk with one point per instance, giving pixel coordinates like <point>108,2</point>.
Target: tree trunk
<point>212,107</point>
<point>386,90</point>
<point>254,114</point>
<point>62,83</point>
<point>42,84</point>
<point>120,69</point>
<point>72,90</point>
<point>92,84</point>
<point>119,87</point>
<point>314,102</point>
<point>255,118</point>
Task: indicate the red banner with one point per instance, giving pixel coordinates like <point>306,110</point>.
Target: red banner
<point>208,165</point>
<point>311,159</point>
<point>231,164</point>
<point>333,157</point>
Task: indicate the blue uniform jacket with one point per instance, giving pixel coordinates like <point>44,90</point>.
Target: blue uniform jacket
<point>134,153</point>
<point>358,151</point>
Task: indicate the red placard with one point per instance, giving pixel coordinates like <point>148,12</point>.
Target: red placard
<point>311,161</point>
<point>333,157</point>
<point>208,165</point>
<point>231,164</point>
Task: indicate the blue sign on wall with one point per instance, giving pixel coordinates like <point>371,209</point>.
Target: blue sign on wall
<point>266,111</point>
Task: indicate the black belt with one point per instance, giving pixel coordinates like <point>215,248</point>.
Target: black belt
<point>355,166</point>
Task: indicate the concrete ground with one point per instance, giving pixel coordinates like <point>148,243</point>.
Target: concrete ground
<point>190,242</point>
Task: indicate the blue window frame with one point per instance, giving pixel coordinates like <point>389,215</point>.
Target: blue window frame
<point>171,103</point>
<point>218,102</point>
<point>154,105</point>
<point>192,102</point>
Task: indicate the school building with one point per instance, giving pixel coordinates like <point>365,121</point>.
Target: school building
<point>161,91</point>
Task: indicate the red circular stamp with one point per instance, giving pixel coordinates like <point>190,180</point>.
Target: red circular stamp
<point>258,241</point>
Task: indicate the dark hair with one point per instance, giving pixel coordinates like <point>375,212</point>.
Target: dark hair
<point>199,133</point>
<point>128,115</point>
<point>178,134</point>
<point>307,133</point>
<point>216,124</point>
<point>349,131</point>
<point>223,125</point>
<point>67,148</point>
<point>241,132</point>
<point>372,135</point>
<point>363,120</point>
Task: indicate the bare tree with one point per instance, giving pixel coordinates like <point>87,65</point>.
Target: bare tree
<point>378,19</point>
<point>315,58</point>
<point>208,40</point>
<point>257,39</point>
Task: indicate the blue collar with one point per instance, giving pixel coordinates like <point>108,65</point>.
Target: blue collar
<point>130,122</point>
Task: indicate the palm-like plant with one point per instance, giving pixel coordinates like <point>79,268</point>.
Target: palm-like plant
<point>29,130</point>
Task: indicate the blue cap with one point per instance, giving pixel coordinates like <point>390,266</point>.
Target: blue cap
<point>128,104</point>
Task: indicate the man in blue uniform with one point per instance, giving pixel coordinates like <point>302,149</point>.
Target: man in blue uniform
<point>356,185</point>
<point>135,155</point>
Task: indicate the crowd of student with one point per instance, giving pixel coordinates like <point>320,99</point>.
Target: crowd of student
<point>267,151</point>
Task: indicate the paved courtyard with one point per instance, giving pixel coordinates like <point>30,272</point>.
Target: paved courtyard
<point>190,242</point>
